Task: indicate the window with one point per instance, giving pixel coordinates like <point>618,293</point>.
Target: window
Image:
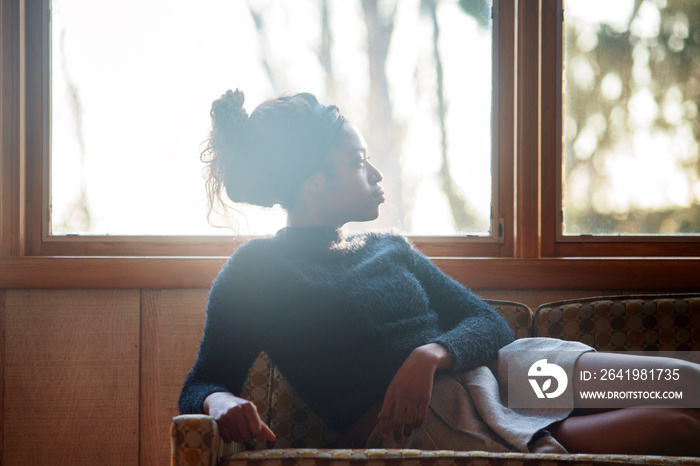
<point>619,132</point>
<point>128,116</point>
<point>631,154</point>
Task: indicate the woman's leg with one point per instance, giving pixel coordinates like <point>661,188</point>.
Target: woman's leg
<point>634,376</point>
<point>632,431</point>
<point>673,429</point>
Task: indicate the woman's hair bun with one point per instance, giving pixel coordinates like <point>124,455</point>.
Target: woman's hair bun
<point>227,112</point>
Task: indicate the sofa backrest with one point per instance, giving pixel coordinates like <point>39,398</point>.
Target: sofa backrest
<point>668,322</point>
<point>518,316</point>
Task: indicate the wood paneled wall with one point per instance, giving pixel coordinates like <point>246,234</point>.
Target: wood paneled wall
<point>71,377</point>
<point>92,376</point>
<point>172,322</point>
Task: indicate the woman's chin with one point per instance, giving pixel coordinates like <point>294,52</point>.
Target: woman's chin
<point>367,217</point>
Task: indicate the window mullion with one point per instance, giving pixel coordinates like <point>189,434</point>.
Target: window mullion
<point>10,130</point>
<point>527,241</point>
<point>551,124</point>
<point>37,131</point>
<point>503,126</point>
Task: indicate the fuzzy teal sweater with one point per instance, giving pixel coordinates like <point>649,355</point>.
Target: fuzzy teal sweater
<point>338,316</point>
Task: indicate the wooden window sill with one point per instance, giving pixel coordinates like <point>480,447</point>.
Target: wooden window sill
<point>651,274</point>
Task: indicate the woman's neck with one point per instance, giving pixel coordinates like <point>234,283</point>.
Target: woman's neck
<point>311,238</point>
<point>297,219</point>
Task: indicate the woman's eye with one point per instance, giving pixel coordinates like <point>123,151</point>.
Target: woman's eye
<point>361,161</point>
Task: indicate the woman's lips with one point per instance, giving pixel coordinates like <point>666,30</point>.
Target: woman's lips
<point>379,196</point>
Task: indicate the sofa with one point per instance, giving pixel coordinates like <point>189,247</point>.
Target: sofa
<point>669,322</point>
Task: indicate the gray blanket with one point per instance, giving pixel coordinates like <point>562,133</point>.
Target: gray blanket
<point>468,411</point>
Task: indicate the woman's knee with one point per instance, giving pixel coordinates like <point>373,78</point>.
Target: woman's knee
<point>639,430</point>
<point>684,424</point>
<point>680,429</point>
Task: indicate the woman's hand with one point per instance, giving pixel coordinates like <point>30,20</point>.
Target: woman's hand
<point>408,396</point>
<point>238,419</point>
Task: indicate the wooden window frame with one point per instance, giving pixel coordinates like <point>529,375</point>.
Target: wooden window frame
<point>554,242</point>
<point>529,257</point>
<point>40,241</point>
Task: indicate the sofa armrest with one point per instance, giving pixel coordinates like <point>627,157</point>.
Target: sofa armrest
<point>195,441</point>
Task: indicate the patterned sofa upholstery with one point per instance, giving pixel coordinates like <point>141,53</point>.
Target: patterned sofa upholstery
<point>661,322</point>
<point>668,322</point>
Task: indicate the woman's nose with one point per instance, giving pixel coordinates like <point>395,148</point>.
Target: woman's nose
<point>374,174</point>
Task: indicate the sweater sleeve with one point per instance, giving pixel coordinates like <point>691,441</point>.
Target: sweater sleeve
<point>473,332</point>
<point>226,350</point>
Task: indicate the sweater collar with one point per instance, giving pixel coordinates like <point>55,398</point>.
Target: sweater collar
<point>312,236</point>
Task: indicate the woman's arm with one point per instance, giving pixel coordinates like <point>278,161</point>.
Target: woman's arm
<point>473,331</point>
<point>231,341</point>
<point>474,334</point>
<point>226,349</point>
<point>409,391</point>
<point>225,353</point>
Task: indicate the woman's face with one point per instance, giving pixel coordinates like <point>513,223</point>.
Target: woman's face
<point>351,191</point>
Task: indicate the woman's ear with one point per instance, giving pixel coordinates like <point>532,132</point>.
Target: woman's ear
<point>315,183</point>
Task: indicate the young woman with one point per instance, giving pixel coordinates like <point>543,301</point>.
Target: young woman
<point>380,343</point>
